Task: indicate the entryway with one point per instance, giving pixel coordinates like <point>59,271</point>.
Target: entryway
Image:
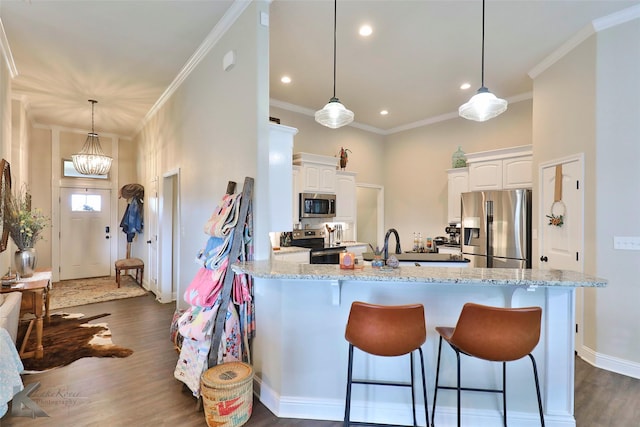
<point>85,233</point>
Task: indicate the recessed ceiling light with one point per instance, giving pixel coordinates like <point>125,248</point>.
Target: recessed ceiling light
<point>384,112</point>
<point>285,79</point>
<point>365,30</point>
<point>465,86</point>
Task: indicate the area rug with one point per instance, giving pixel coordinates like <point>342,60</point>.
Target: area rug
<point>69,337</point>
<point>71,293</point>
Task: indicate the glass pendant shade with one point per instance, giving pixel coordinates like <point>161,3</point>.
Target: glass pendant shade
<point>482,106</point>
<point>334,114</point>
<point>91,160</point>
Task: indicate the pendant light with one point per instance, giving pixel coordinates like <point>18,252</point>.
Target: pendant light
<point>483,105</point>
<point>91,160</point>
<point>334,114</point>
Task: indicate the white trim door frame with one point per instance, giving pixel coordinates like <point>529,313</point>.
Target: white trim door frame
<point>169,236</point>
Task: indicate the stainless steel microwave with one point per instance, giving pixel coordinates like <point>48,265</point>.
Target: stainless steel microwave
<point>316,205</point>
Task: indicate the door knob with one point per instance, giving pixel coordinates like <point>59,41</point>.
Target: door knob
<point>544,258</point>
<point>106,237</point>
<point>148,242</point>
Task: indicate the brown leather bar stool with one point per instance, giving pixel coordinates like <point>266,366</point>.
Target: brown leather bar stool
<point>385,331</point>
<point>494,334</point>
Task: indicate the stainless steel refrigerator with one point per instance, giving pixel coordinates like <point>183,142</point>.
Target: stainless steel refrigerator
<point>496,228</point>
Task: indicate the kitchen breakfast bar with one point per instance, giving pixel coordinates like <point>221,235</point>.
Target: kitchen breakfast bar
<point>300,354</point>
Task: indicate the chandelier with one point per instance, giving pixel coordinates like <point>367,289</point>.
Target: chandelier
<point>334,114</point>
<point>91,160</point>
<point>483,105</point>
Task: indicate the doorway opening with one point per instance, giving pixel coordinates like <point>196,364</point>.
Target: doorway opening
<point>370,221</point>
<point>169,233</point>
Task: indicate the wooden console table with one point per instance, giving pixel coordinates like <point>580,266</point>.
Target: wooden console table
<point>35,300</point>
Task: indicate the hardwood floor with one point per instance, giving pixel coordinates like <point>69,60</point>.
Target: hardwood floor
<point>140,390</point>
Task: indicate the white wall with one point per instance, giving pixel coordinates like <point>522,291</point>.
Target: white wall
<point>210,130</point>
<point>618,191</point>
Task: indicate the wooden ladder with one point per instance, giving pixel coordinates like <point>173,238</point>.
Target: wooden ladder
<point>234,254</point>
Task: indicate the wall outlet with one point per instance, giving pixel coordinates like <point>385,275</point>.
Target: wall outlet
<point>626,243</point>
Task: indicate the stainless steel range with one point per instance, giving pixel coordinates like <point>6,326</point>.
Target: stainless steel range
<point>314,240</point>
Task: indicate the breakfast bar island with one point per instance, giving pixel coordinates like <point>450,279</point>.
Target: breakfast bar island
<point>300,354</point>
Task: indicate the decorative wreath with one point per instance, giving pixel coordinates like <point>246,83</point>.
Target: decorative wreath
<point>557,219</point>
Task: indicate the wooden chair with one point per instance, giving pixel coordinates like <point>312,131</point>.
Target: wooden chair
<point>494,334</point>
<point>130,264</point>
<point>386,331</point>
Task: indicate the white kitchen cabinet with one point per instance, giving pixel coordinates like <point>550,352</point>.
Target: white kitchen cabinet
<point>345,197</point>
<point>485,175</point>
<point>500,169</point>
<point>317,172</point>
<point>280,176</point>
<point>458,183</point>
<point>516,172</point>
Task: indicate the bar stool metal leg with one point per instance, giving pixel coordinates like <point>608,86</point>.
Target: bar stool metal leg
<point>347,406</point>
<point>435,392</point>
<point>535,376</point>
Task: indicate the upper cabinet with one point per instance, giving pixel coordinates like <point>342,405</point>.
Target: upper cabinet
<point>458,183</point>
<point>345,196</point>
<point>516,172</point>
<point>500,169</point>
<point>317,172</point>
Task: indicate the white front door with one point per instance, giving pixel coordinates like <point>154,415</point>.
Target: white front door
<point>562,247</point>
<point>85,234</point>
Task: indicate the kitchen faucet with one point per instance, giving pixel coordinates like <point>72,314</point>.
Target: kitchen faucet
<point>386,242</point>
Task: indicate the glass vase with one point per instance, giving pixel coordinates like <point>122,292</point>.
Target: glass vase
<point>458,160</point>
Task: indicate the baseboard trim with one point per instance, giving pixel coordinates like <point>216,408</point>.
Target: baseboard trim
<point>333,410</point>
<point>610,363</point>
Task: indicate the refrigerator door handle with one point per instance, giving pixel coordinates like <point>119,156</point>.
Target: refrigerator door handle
<point>489,232</point>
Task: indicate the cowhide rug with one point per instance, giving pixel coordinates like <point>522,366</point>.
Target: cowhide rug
<point>69,337</point>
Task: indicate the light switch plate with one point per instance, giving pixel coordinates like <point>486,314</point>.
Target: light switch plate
<point>626,243</point>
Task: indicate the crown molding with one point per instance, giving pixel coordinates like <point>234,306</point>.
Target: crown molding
<point>425,122</point>
<point>229,18</point>
<point>594,27</point>
<point>6,52</point>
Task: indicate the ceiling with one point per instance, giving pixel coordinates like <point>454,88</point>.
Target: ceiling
<point>125,54</point>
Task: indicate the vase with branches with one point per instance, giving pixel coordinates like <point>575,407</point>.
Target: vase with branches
<point>25,225</point>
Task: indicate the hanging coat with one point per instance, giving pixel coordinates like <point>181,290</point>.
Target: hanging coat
<point>131,222</point>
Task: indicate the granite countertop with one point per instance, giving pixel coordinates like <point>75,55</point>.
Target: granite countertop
<point>449,275</point>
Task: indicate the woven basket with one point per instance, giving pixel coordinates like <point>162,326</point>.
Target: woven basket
<point>227,394</point>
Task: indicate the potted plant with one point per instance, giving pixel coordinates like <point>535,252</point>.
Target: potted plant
<point>25,226</point>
